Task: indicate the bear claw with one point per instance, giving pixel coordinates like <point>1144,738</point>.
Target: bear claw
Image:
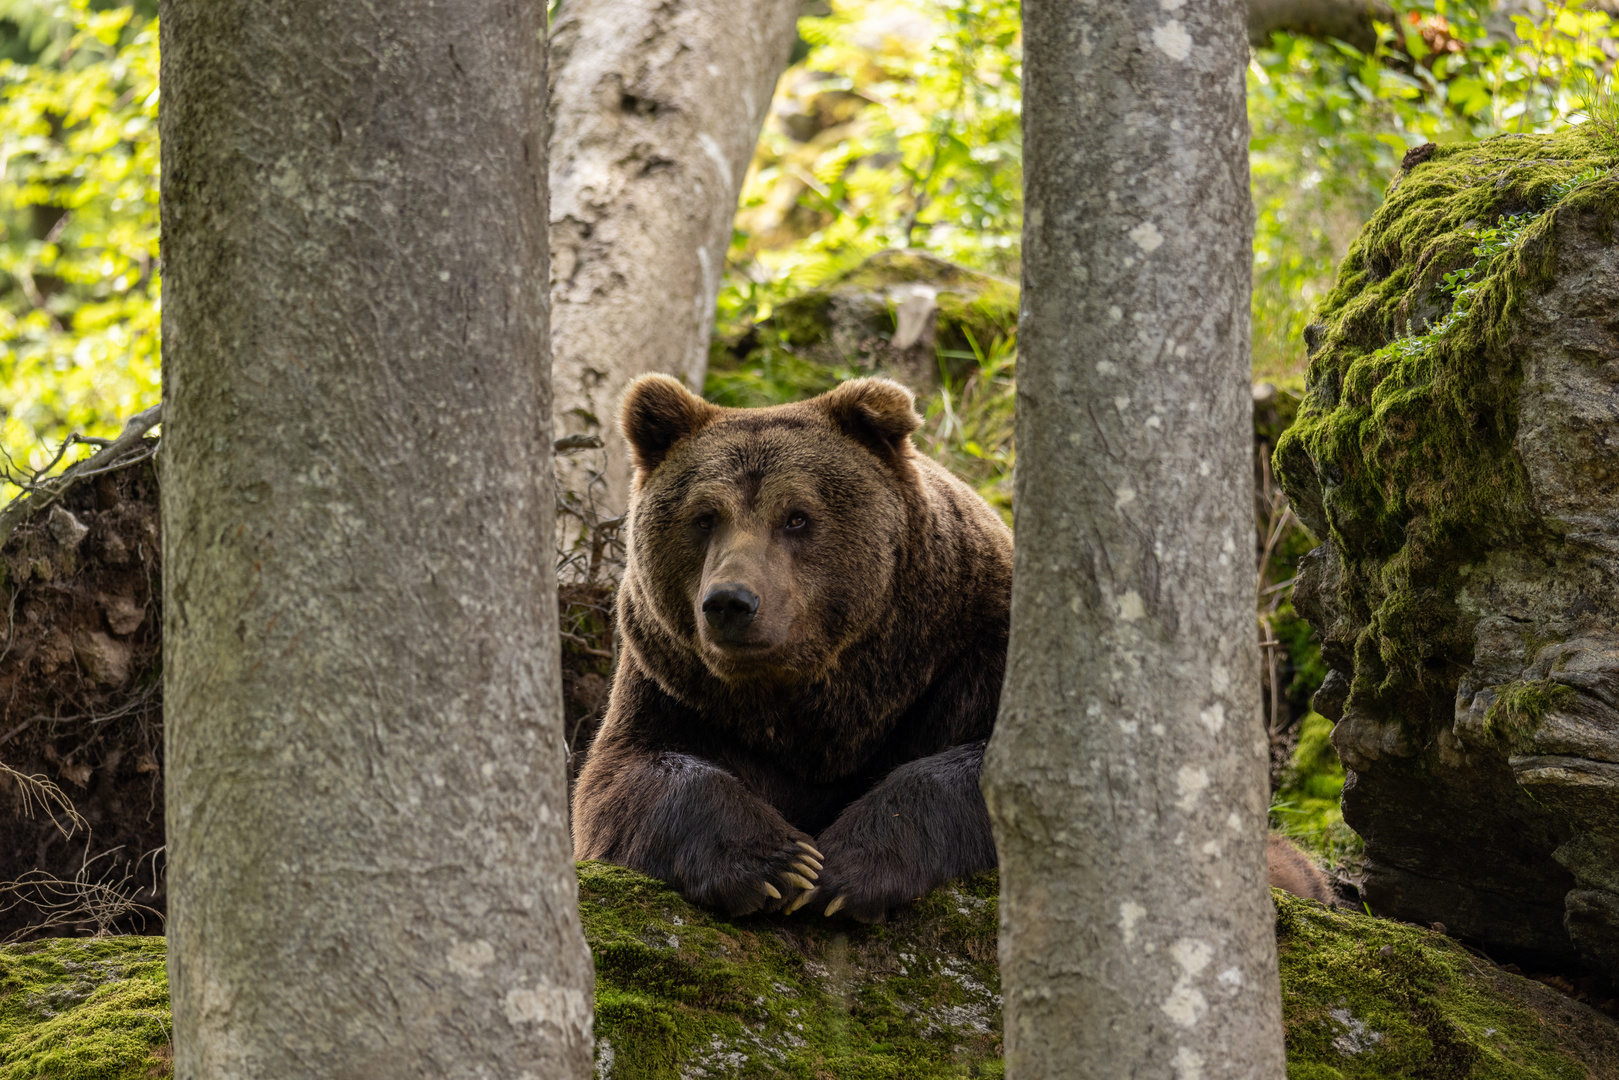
<point>803,898</point>
<point>802,866</point>
<point>798,881</point>
<point>813,851</point>
<point>814,864</point>
<point>835,906</point>
<point>771,891</point>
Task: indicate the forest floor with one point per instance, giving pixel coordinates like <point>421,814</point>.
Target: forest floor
<point>682,993</point>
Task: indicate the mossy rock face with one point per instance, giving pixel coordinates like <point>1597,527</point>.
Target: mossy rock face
<point>900,313</point>
<point>682,994</point>
<point>1458,450</point>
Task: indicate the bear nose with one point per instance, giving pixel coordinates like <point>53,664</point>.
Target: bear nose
<point>729,609</point>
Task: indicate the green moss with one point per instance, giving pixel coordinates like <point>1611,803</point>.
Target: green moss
<point>839,331</point>
<point>1403,447</point>
<point>681,992</point>
<point>1519,708</point>
<point>75,1009</point>
<point>1369,998</point>
<point>677,987</point>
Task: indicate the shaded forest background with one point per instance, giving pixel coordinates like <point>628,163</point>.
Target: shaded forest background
<point>896,126</point>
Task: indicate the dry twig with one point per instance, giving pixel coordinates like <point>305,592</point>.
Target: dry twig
<point>100,902</point>
<point>38,791</point>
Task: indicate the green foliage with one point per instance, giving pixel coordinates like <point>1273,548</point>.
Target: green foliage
<point>899,128</point>
<point>1404,441</point>
<point>1593,91</point>
<point>1307,671</point>
<point>1330,125</point>
<point>73,1009</point>
<point>969,423</point>
<point>1306,805</point>
<point>78,222</point>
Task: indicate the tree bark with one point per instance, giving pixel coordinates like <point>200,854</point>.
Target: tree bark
<point>657,110</point>
<point>1127,774</point>
<point>367,813</point>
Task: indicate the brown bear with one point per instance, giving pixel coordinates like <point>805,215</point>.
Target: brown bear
<point>1292,870</point>
<point>813,625</point>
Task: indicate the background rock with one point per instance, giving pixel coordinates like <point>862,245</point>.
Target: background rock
<point>80,681</point>
<point>81,703</point>
<point>900,313</point>
<point>1458,449</point>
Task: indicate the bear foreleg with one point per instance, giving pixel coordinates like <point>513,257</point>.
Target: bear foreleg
<point>923,825</point>
<point>691,823</point>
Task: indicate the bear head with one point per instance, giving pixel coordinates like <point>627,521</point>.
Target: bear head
<point>763,542</point>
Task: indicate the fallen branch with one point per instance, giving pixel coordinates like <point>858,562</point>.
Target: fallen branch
<point>1347,20</point>
<point>40,490</point>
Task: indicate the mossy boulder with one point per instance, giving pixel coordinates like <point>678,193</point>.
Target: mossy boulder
<point>682,995</point>
<point>1458,450</point>
<point>903,313</point>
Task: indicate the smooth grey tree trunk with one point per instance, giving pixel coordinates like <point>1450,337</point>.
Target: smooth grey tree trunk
<point>656,110</point>
<point>1127,774</point>
<point>370,869</point>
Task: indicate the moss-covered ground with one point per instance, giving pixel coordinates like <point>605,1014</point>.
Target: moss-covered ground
<point>683,995</point>
<point>679,990</point>
<point>76,1009</point>
<point>1369,999</point>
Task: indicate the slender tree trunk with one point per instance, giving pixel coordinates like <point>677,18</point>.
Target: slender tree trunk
<point>367,816</point>
<point>1127,774</point>
<point>657,110</point>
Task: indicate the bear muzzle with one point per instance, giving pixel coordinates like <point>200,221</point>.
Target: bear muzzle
<point>729,610</point>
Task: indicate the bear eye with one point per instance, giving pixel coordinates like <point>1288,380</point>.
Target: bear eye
<point>705,522</point>
<point>796,521</point>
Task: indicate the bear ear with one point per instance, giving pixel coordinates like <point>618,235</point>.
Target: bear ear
<point>880,414</point>
<point>657,413</point>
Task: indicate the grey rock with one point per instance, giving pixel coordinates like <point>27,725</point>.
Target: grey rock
<point>1496,810</point>
<point>66,529</point>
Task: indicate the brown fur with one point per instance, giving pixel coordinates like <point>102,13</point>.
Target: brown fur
<point>1292,870</point>
<point>849,709</point>
<point>853,714</point>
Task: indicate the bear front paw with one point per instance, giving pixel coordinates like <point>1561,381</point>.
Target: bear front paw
<point>861,886</point>
<point>783,878</point>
